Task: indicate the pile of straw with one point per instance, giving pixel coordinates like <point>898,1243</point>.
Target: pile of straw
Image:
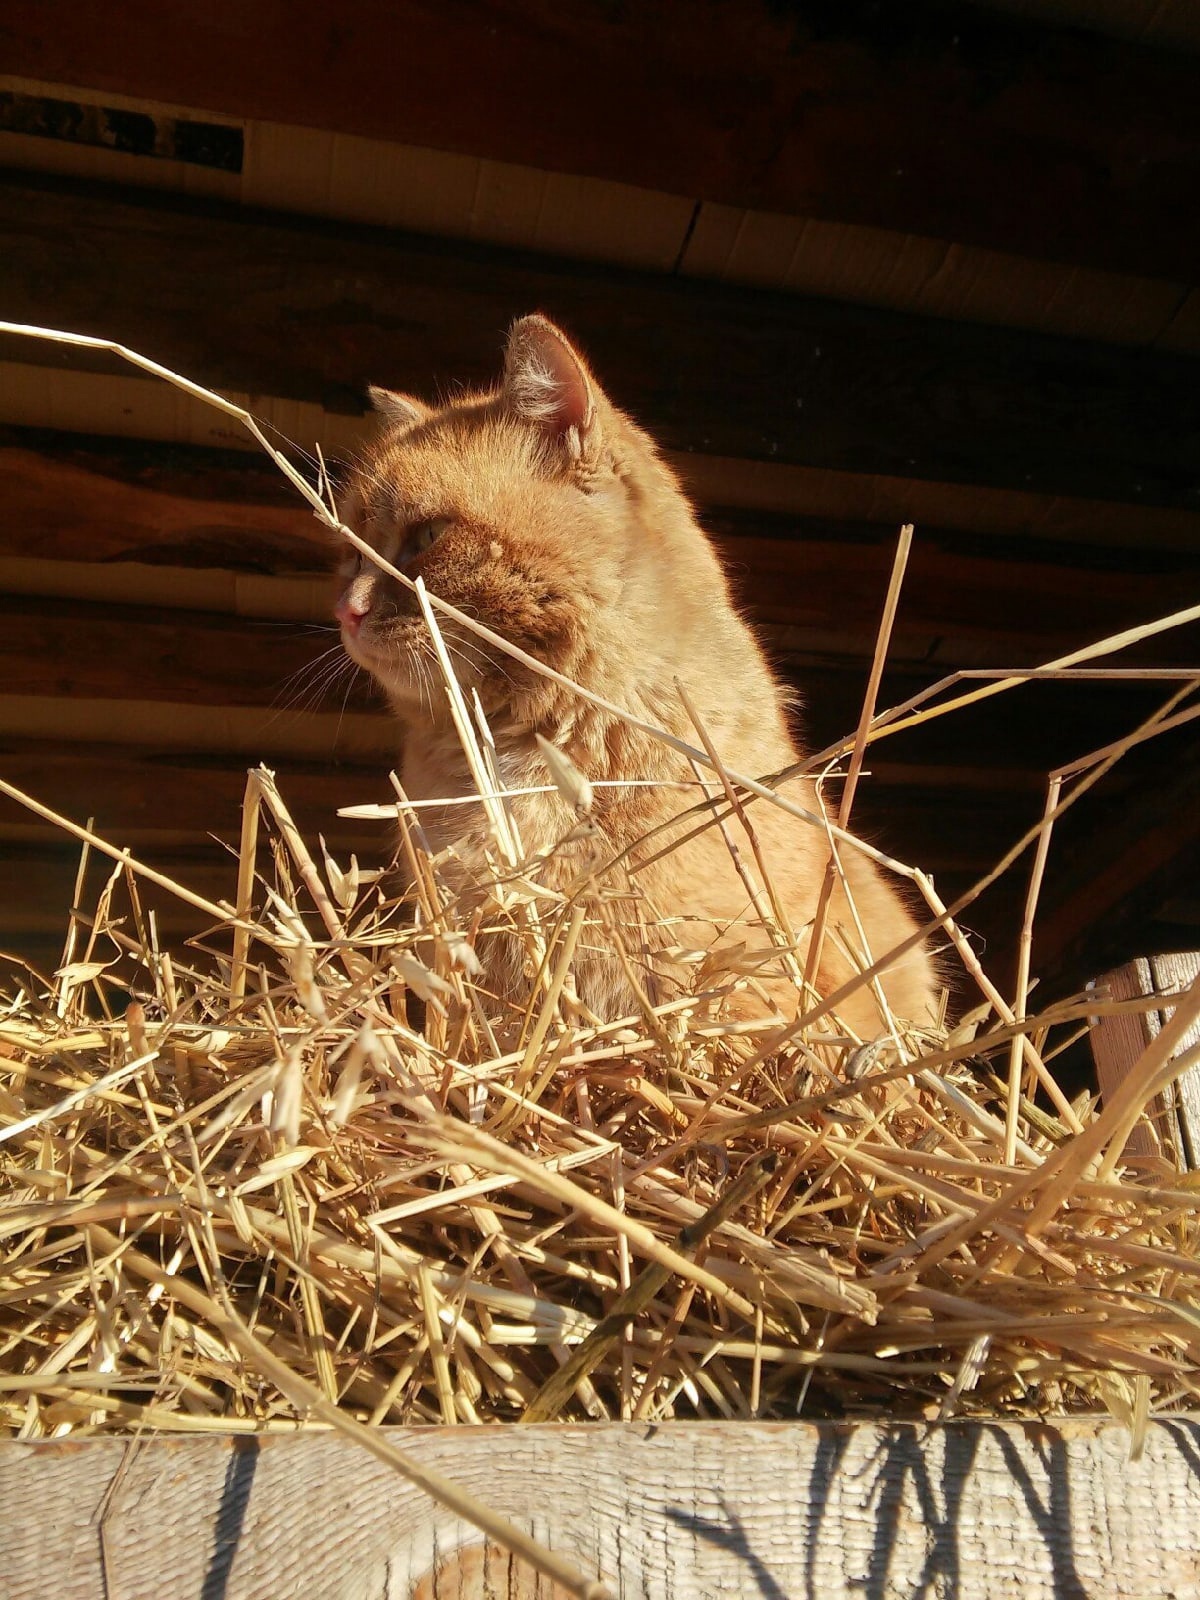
<point>259,1183</point>
<point>309,1171</point>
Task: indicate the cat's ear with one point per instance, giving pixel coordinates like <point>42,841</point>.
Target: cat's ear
<point>399,410</point>
<point>547,383</point>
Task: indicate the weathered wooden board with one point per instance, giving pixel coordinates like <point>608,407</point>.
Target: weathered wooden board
<point>314,312</point>
<point>931,119</point>
<point>1118,1041</point>
<point>677,1512</point>
<point>143,792</point>
<point>138,516</point>
<point>121,431</point>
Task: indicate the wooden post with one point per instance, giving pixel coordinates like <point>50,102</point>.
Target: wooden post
<point>685,1511</point>
<point>1117,1041</point>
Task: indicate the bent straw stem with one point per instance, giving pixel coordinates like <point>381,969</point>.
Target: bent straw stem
<point>882,640</point>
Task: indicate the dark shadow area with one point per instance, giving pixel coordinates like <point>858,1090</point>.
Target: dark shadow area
<point>1185,1436</point>
<point>902,1470</point>
<point>1052,1518</point>
<point>903,1484</point>
<point>730,1537</point>
<point>831,1447</point>
<point>231,1515</point>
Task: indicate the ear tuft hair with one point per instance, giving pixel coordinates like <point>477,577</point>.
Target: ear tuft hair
<point>398,410</point>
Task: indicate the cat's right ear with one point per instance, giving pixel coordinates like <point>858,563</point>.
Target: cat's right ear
<point>547,383</point>
<point>397,410</point>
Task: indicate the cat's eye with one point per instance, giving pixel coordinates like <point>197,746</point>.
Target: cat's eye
<point>422,534</point>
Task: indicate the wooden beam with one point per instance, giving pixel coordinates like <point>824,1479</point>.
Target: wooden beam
<point>253,732</point>
<point>66,497</point>
<point>949,122</point>
<point>140,793</point>
<point>718,1509</point>
<point>65,402</point>
<point>1117,1043</point>
<point>37,883</point>
<point>966,602</point>
<point>319,311</point>
<point>68,648</point>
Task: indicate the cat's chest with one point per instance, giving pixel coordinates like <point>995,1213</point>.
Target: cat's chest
<point>436,767</point>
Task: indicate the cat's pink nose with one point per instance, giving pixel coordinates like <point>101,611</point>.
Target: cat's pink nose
<point>350,611</point>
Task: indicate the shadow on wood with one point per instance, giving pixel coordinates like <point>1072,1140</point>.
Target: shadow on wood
<point>819,1511</point>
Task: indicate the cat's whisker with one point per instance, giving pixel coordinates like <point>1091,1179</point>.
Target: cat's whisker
<point>351,680</point>
<point>323,687</point>
<point>486,666</point>
<point>308,684</point>
<point>417,668</point>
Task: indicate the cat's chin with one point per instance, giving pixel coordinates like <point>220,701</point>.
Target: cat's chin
<point>389,668</point>
<point>383,668</point>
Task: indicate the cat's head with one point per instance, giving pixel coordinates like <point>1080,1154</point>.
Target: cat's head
<point>533,508</point>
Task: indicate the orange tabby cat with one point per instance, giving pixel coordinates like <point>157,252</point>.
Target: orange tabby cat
<point>541,510</point>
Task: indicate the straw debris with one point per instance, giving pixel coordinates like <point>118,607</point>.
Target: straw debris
<point>499,1216</point>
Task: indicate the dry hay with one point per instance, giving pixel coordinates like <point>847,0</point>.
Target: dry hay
<point>673,1215</point>
<point>259,1191</point>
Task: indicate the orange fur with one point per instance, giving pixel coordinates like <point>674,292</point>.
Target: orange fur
<point>543,511</point>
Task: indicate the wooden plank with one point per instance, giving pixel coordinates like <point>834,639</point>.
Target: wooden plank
<point>251,732</point>
<point>1172,972</point>
<point>141,793</point>
<point>1026,604</point>
<point>953,123</point>
<point>1039,1511</point>
<point>123,407</point>
<point>912,272</point>
<point>94,500</point>
<point>326,174</point>
<point>70,648</point>
<point>37,889</point>
<point>321,310</point>
<point>106,504</point>
<point>1118,1041</point>
<point>1116,1044</point>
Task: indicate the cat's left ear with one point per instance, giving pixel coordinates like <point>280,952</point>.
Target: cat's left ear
<point>398,410</point>
<point>547,383</point>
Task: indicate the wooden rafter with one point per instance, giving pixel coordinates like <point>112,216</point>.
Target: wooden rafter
<point>946,121</point>
<point>313,313</point>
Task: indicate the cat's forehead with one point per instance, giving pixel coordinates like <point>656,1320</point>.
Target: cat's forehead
<point>453,463</point>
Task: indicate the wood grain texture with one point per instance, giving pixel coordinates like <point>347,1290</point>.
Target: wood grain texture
<point>681,1512</point>
<point>320,311</point>
<point>137,525</point>
<point>140,791</point>
<point>1118,1041</point>
<point>934,120</point>
<point>48,406</point>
